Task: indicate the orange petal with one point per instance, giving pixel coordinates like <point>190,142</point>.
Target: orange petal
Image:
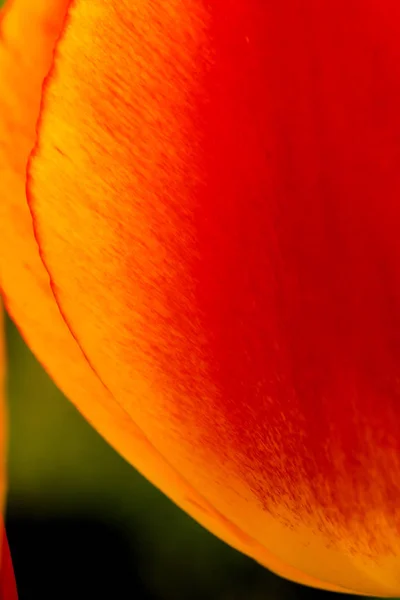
<point>215,196</point>
<point>26,288</point>
<point>24,281</point>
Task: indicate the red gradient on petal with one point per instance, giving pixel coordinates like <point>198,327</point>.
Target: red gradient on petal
<point>26,290</point>
<point>216,205</point>
<point>297,230</point>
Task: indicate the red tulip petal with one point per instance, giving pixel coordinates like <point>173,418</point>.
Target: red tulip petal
<point>206,191</point>
<point>24,280</point>
<point>215,195</point>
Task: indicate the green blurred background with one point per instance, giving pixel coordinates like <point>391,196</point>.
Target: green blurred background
<point>84,524</point>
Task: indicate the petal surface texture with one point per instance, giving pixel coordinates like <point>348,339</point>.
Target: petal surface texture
<point>214,193</point>
<point>24,281</point>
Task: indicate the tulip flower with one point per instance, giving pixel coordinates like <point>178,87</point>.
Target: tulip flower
<point>199,240</point>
